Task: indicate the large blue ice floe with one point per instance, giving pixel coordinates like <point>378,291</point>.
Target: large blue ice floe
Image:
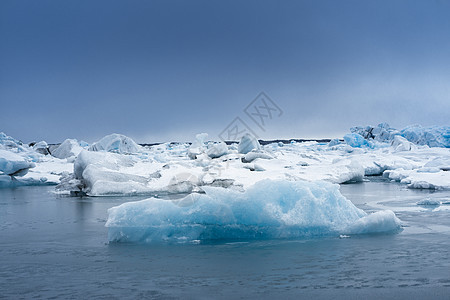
<point>267,210</point>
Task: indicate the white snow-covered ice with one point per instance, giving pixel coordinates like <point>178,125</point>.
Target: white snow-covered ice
<point>117,143</point>
<point>116,165</point>
<point>244,190</point>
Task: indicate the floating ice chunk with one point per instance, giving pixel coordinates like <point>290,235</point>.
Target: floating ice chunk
<point>253,167</point>
<point>399,143</point>
<point>442,163</point>
<point>355,140</point>
<point>13,164</point>
<point>248,143</point>
<point>334,142</point>
<point>428,170</point>
<point>269,209</point>
<point>381,133</point>
<point>346,171</point>
<point>105,173</point>
<point>383,221</point>
<point>116,143</point>
<point>429,202</point>
<point>217,150</point>
<point>420,180</point>
<point>198,146</point>
<point>254,154</point>
<point>11,181</point>
<point>9,143</point>
<point>101,182</point>
<point>201,138</point>
<point>68,148</point>
<point>41,147</point>
<point>433,136</point>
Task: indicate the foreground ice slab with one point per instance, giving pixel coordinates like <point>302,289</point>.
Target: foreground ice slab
<point>267,210</point>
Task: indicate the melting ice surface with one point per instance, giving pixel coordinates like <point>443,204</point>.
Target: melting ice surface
<point>267,210</point>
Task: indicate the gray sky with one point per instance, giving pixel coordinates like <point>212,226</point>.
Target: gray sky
<point>166,70</point>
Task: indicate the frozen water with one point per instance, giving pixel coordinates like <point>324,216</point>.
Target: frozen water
<point>217,150</point>
<point>41,147</point>
<point>9,143</point>
<point>399,143</point>
<point>198,146</point>
<point>355,140</point>
<point>13,164</point>
<point>267,210</point>
<point>433,136</point>
<point>151,169</point>
<point>248,143</point>
<point>429,202</point>
<point>68,148</point>
<point>254,154</point>
<point>117,143</point>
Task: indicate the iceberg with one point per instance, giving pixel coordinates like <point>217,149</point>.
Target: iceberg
<point>41,147</point>
<point>433,136</point>
<point>13,164</point>
<point>69,148</point>
<point>381,133</point>
<point>429,202</point>
<point>399,143</point>
<point>355,140</point>
<point>217,150</point>
<point>267,210</point>
<point>252,155</point>
<point>99,172</point>
<point>424,178</point>
<point>248,143</point>
<point>116,143</point>
<point>198,146</point>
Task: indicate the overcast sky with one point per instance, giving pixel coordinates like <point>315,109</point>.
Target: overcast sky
<point>166,70</point>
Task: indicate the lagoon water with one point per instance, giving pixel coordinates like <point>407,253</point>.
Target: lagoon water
<point>57,247</point>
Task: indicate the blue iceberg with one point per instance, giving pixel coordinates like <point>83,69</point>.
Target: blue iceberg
<point>267,210</point>
<point>356,140</point>
<point>433,136</point>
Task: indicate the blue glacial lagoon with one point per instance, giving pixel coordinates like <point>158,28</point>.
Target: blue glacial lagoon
<point>57,247</point>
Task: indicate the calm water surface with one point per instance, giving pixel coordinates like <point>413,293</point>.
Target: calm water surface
<point>56,247</point>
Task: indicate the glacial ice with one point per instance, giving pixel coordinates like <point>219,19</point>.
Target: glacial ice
<point>116,143</point>
<point>198,146</point>
<point>429,202</point>
<point>355,140</point>
<point>152,169</point>
<point>41,147</point>
<point>9,143</point>
<point>399,143</point>
<point>268,209</point>
<point>433,136</point>
<point>69,148</point>
<point>13,164</point>
<point>254,154</point>
<point>217,150</point>
<point>248,143</point>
